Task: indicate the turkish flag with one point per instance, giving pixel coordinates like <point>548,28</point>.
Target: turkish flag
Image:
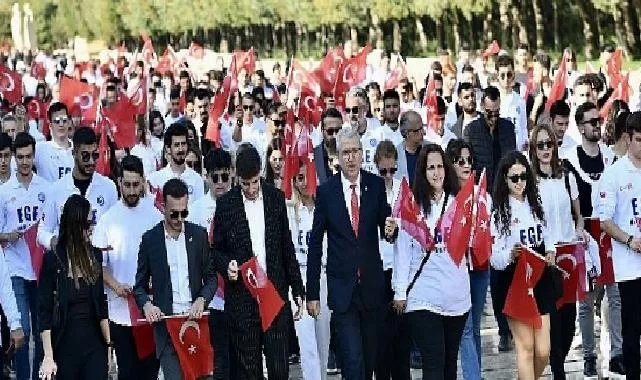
<point>191,342</point>
<point>351,72</point>
<point>36,251</point>
<point>159,200</point>
<point>395,76</point>
<point>482,238</point>
<point>103,166</point>
<point>290,165</point>
<point>306,155</point>
<point>216,111</point>
<point>457,222</point>
<point>620,85</point>
<point>407,210</point>
<point>304,80</point>
<point>246,60</point>
<point>167,62</point>
<point>262,290</point>
<point>10,85</point>
<point>593,226</point>
<point>142,331</point>
<point>615,63</point>
<point>122,123</point>
<point>137,95</point>
<point>529,85</point>
<point>80,98</point>
<point>196,50</point>
<point>520,303</point>
<point>38,70</point>
<point>327,72</point>
<point>147,51</point>
<point>492,49</point>
<point>560,83</point>
<point>570,259</point>
<point>430,102</point>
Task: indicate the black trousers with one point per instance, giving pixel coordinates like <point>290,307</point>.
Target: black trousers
<point>81,353</point>
<point>498,292</point>
<point>219,338</point>
<point>248,342</point>
<point>562,327</point>
<point>630,292</point>
<point>130,367</point>
<point>438,338</point>
<point>393,360</point>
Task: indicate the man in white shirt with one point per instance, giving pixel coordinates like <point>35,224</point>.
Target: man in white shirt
<point>54,158</point>
<point>559,121</point>
<point>619,210</point>
<point>21,202</point>
<point>5,157</point>
<point>176,148</point>
<point>100,191</point>
<point>219,173</point>
<point>390,130</point>
<point>9,125</point>
<point>582,93</point>
<point>119,233</point>
<point>355,109</point>
<point>10,308</point>
<point>248,128</point>
<point>174,114</point>
<point>512,104</point>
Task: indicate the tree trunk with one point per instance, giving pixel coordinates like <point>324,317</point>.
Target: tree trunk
<point>224,40</point>
<point>422,37</point>
<point>557,34</point>
<point>538,23</point>
<point>506,22</point>
<point>353,36</point>
<point>440,40</point>
<point>590,28</point>
<point>456,30</point>
<point>371,35</point>
<point>487,26</point>
<point>396,33</point>
<point>627,13</point>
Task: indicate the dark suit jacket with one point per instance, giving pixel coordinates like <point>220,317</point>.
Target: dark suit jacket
<point>232,241</point>
<point>347,254</point>
<point>320,160</point>
<point>51,271</point>
<point>152,263</point>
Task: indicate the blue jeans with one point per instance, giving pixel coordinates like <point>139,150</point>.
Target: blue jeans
<point>27,299</point>
<point>586,321</point>
<point>470,347</point>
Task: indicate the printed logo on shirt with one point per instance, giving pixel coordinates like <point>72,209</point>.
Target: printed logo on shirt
<point>101,200</point>
<point>373,143</point>
<point>531,236</point>
<point>190,189</point>
<point>635,206</point>
<point>62,171</point>
<point>27,214</point>
<point>603,194</point>
<point>516,221</point>
<point>302,245</point>
<point>626,187</point>
<point>41,197</point>
<point>94,217</point>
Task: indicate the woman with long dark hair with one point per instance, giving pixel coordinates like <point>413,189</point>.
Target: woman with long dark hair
<point>518,221</point>
<point>274,164</point>
<point>428,286</point>
<point>73,314</point>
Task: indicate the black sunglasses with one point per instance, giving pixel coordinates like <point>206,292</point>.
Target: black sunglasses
<point>86,156</point>
<point>518,177</point>
<point>593,122</point>
<point>191,164</point>
<point>277,123</point>
<point>384,172</point>
<point>353,110</point>
<point>464,160</point>
<point>332,131</point>
<point>492,114</point>
<point>175,214</point>
<point>246,107</point>
<point>509,75</point>
<point>224,177</point>
<point>544,145</point>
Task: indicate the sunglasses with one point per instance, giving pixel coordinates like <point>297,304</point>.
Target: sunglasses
<point>377,109</point>
<point>175,214</point>
<point>541,145</point>
<point>384,172</point>
<point>464,160</point>
<point>224,177</point>
<point>60,120</point>
<point>247,108</point>
<point>352,111</point>
<point>508,75</point>
<point>86,156</point>
<point>191,164</point>
<point>518,177</point>
<point>593,122</point>
<point>492,114</point>
<point>332,131</point>
<point>277,123</point>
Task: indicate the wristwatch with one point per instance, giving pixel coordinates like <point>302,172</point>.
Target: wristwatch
<point>629,241</point>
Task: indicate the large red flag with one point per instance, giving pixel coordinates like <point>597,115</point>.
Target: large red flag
<point>520,303</point>
<point>560,83</point>
<point>246,60</point>
<point>306,155</point>
<point>570,259</point>
<point>10,85</point>
<point>147,51</point>
<point>408,211</point>
<point>138,96</point>
<point>38,70</point>
<point>168,62</point>
<point>159,200</point>
<point>216,111</point>
<point>290,166</point>
<point>529,85</point>
<point>328,69</point>
<point>262,290</point>
<point>615,63</point>
<point>492,49</point>
<point>351,72</point>
<point>620,85</point>
<point>395,76</point>
<point>191,342</point>
<point>36,251</point>
<point>142,331</point>
<point>593,226</point>
<point>457,222</point>
<point>80,98</point>
<point>482,238</point>
<point>430,102</point>
<point>122,123</point>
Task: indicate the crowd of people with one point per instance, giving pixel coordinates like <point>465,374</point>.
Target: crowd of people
<point>165,224</point>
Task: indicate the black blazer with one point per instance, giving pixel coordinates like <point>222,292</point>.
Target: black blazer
<point>346,253</point>
<point>232,241</point>
<point>52,270</point>
<point>152,263</point>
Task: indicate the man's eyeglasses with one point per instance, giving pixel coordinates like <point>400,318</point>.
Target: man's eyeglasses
<point>464,160</point>
<point>191,164</point>
<point>593,122</point>
<point>224,177</point>
<point>352,111</point>
<point>508,75</point>
<point>175,214</point>
<point>384,172</point>
<point>60,120</point>
<point>544,145</point>
<point>492,114</point>
<point>86,156</point>
<point>5,156</point>
<point>331,131</point>
<point>378,109</point>
<point>246,107</point>
<point>277,123</point>
<point>518,177</point>
<point>351,152</point>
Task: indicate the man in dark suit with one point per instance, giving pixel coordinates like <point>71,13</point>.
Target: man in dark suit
<point>268,238</point>
<point>176,256</point>
<point>331,123</point>
<point>355,279</point>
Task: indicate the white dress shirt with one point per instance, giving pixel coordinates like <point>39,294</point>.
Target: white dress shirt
<point>255,212</point>
<point>178,272</point>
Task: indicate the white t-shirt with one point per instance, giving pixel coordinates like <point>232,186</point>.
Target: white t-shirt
<point>119,232</point>
<point>52,161</point>
<point>387,249</point>
<point>20,208</point>
<point>148,157</point>
<point>558,208</point>
<point>386,133</point>
<point>300,224</point>
<point>194,182</point>
<point>513,109</point>
<point>101,194</point>
<point>619,201</point>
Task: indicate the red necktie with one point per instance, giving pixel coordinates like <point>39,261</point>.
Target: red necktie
<point>354,210</point>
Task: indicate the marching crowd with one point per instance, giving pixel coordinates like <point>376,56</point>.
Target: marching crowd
<point>339,201</point>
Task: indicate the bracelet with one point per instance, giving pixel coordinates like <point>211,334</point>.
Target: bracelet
<point>629,241</point>
<point>110,344</point>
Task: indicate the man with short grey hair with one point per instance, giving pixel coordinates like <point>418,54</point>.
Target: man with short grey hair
<point>411,126</point>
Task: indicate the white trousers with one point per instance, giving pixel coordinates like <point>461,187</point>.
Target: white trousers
<point>313,335</point>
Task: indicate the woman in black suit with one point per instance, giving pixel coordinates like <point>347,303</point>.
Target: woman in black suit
<point>73,315</point>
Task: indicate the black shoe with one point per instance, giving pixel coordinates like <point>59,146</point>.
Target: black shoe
<point>589,367</point>
<point>616,365</point>
<point>294,359</point>
<point>505,343</point>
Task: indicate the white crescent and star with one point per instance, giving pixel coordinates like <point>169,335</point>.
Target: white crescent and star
<point>10,84</point>
<point>183,329</point>
<point>348,69</point>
